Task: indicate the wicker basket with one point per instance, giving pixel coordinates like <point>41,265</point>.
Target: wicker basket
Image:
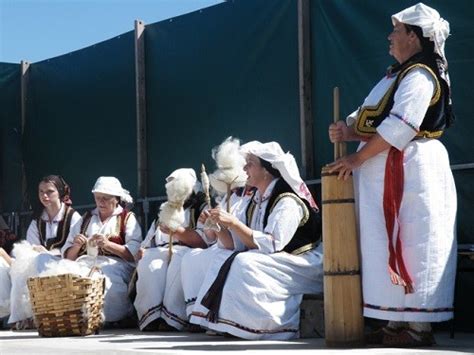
<point>67,305</point>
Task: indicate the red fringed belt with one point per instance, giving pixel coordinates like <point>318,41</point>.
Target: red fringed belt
<point>392,198</point>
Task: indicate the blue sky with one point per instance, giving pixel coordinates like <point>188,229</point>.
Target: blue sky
<point>34,30</point>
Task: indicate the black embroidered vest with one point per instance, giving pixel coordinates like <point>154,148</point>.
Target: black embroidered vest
<point>61,235</point>
<point>438,116</point>
<point>308,234</point>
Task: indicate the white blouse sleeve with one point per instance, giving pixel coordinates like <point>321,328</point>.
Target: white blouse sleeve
<point>32,234</point>
<point>133,235</point>
<point>73,231</point>
<point>411,101</point>
<point>282,224</point>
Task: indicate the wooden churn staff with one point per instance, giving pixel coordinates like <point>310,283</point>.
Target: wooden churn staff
<point>343,318</point>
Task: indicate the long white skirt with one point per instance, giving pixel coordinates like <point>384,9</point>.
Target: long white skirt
<point>159,288</point>
<point>427,220</point>
<point>194,267</point>
<point>262,293</point>
<point>117,273</point>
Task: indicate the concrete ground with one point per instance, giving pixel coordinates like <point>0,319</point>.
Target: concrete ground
<point>132,341</point>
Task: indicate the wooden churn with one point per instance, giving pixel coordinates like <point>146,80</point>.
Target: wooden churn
<point>343,319</point>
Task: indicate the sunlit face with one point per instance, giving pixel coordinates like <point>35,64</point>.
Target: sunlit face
<point>48,194</point>
<point>105,203</point>
<point>255,171</point>
<point>401,42</point>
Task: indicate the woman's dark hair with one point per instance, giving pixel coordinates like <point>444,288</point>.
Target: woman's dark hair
<point>268,167</point>
<point>63,189</point>
<point>426,43</point>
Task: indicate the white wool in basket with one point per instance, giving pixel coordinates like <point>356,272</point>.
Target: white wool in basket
<point>65,266</point>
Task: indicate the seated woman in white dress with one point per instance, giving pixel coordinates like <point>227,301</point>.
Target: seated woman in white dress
<point>256,294</point>
<point>114,234</point>
<point>159,289</point>
<point>47,233</point>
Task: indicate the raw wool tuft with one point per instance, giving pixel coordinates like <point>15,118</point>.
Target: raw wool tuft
<point>178,188</point>
<point>65,266</point>
<point>230,166</point>
<point>171,215</point>
<point>23,267</point>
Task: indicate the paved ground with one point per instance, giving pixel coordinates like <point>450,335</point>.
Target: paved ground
<point>131,341</point>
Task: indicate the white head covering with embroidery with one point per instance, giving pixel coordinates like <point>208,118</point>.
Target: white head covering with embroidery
<point>428,19</point>
<point>111,186</point>
<point>285,163</point>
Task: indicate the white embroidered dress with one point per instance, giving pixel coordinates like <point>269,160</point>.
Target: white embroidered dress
<point>427,212</point>
<point>116,270</point>
<point>264,287</point>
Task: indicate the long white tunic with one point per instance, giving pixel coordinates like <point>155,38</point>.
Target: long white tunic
<point>30,264</point>
<point>265,286</point>
<point>116,270</point>
<point>427,212</point>
<point>159,287</point>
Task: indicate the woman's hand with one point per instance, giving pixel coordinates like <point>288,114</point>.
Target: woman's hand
<point>167,230</point>
<point>222,217</point>
<point>100,240</point>
<point>345,165</point>
<point>79,240</point>
<point>139,254</point>
<point>203,216</point>
<point>338,132</point>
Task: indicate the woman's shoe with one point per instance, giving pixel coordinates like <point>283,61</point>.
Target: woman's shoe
<point>409,338</point>
<point>376,337</point>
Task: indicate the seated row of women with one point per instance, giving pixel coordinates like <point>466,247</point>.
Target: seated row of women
<point>240,267</point>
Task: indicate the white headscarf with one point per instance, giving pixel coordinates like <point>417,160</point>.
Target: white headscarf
<point>284,162</point>
<point>428,19</point>
<point>111,186</point>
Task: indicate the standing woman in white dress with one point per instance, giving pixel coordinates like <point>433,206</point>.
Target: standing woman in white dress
<point>405,192</point>
<point>256,294</point>
<point>116,234</point>
<point>47,233</point>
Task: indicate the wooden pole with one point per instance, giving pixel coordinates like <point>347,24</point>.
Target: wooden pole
<point>24,83</point>
<point>340,149</point>
<point>343,319</point>
<point>304,74</point>
<point>140,92</point>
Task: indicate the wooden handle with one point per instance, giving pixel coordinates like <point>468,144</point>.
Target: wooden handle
<point>340,147</point>
<point>335,111</point>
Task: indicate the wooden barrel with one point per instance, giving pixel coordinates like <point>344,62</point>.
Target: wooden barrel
<point>343,319</point>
